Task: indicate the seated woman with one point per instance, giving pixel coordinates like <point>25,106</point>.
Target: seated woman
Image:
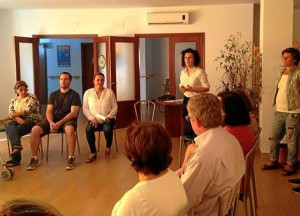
<point>23,115</point>
<point>159,191</point>
<point>100,108</point>
<point>236,119</point>
<point>250,108</point>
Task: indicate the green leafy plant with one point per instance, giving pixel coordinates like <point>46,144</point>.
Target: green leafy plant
<point>241,63</point>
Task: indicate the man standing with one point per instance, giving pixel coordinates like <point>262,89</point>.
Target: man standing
<point>217,164</point>
<point>61,114</point>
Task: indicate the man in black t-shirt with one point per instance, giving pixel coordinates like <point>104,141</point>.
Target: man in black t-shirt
<point>61,115</point>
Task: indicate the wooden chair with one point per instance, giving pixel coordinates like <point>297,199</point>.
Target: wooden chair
<point>228,202</point>
<point>249,186</point>
<point>144,110</point>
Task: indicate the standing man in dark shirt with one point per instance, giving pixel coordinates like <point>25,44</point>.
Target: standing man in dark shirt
<point>61,114</point>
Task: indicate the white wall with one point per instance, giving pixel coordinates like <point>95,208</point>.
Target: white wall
<point>217,21</point>
<point>296,27</point>
<point>7,61</point>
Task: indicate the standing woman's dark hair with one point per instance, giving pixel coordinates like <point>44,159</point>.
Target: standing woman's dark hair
<point>295,53</point>
<point>234,109</point>
<point>197,58</point>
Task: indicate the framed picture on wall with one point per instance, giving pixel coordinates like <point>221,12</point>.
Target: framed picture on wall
<point>63,56</point>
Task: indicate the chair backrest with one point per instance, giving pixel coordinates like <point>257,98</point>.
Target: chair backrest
<point>228,201</point>
<point>249,161</point>
<point>144,110</point>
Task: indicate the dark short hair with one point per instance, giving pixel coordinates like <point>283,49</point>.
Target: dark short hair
<point>70,76</point>
<point>22,206</point>
<point>148,146</point>
<point>98,74</point>
<point>246,98</point>
<point>234,108</point>
<point>295,53</point>
<point>19,84</point>
<point>195,53</point>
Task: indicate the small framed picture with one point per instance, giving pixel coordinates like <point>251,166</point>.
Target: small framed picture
<point>63,56</point>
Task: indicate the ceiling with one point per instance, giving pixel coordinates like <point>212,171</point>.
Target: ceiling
<point>58,4</point>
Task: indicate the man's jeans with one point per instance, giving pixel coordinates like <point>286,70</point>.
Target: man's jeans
<point>285,124</point>
<point>14,131</point>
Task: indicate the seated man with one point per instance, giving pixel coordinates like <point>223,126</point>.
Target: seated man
<point>61,113</point>
<point>218,162</point>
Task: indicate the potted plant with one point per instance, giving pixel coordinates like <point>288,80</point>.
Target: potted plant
<point>241,63</point>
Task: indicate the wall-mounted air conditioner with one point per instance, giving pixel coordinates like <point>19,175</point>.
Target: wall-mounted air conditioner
<point>168,18</point>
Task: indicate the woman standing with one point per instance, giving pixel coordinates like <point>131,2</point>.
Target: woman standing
<point>287,115</point>
<point>193,81</point>
<point>100,108</point>
<point>23,115</point>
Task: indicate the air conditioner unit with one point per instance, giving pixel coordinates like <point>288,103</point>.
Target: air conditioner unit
<point>168,18</point>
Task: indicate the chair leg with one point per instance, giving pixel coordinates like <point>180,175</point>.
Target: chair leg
<point>116,142</point>
<point>179,153</point>
<point>8,146</point>
<point>98,141</point>
<point>62,144</point>
<point>47,147</point>
<point>245,204</point>
<point>41,148</point>
<point>77,142</point>
<point>254,191</point>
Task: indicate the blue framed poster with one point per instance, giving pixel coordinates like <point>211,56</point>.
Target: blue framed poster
<point>63,56</point>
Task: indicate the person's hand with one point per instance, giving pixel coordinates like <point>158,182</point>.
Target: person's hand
<point>107,119</point>
<point>95,123</point>
<point>6,117</point>
<point>19,120</point>
<point>53,127</point>
<point>189,88</point>
<point>182,89</point>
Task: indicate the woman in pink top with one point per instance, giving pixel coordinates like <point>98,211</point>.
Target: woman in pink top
<point>236,119</point>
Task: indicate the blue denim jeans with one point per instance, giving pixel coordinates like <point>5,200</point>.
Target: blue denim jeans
<point>106,127</point>
<point>15,131</point>
<point>285,124</point>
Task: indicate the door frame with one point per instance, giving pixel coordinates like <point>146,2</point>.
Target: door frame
<point>179,37</point>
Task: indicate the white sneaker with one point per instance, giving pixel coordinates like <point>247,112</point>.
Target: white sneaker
<point>71,164</point>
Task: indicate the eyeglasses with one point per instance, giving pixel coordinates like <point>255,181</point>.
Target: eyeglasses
<point>188,118</point>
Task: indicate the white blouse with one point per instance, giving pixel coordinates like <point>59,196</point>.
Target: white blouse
<point>106,105</point>
<point>195,79</point>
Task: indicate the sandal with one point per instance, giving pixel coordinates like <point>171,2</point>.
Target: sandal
<point>107,152</point>
<point>12,163</point>
<point>92,157</point>
<point>269,166</point>
<point>288,170</point>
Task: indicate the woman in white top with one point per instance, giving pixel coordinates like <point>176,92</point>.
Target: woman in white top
<point>100,108</point>
<point>193,81</point>
<point>159,191</point>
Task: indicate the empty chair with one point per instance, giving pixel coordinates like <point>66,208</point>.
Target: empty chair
<point>144,110</point>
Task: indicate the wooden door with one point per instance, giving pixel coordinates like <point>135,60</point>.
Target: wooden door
<point>27,65</point>
<point>184,41</point>
<point>121,68</point>
<point>87,66</point>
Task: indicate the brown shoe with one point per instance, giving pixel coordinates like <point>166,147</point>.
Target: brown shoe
<point>288,170</point>
<point>92,157</point>
<point>107,152</point>
<point>269,166</point>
